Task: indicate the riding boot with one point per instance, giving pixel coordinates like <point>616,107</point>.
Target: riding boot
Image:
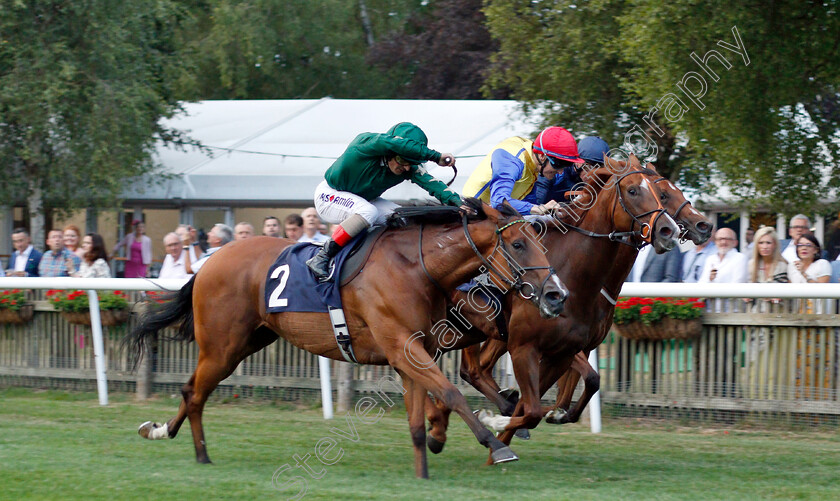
<point>320,262</point>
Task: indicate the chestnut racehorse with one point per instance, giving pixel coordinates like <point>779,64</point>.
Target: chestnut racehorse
<point>627,216</point>
<point>402,290</point>
<point>476,367</point>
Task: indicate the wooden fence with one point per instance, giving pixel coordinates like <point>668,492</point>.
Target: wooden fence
<point>783,360</point>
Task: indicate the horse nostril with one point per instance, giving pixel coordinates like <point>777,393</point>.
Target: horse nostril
<point>555,297</point>
<point>703,227</point>
<point>666,231</point>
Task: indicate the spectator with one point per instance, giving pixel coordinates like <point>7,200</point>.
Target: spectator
<point>243,231</point>
<point>727,265</point>
<point>767,264</point>
<point>138,249</point>
<point>187,232</point>
<point>694,259</point>
<point>25,260</point>
<point>95,262</point>
<point>294,227</point>
<point>174,264</point>
<point>808,267</point>
<point>749,238</point>
<point>58,261</point>
<point>72,240</point>
<point>220,235</point>
<point>271,227</point>
<point>799,225</point>
<point>653,267</point>
<point>311,224</point>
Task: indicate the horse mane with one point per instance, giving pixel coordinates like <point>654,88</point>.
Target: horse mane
<point>441,214</point>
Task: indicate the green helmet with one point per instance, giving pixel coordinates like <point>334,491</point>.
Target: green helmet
<point>408,130</point>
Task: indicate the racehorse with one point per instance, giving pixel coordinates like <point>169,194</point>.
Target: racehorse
<point>402,290</point>
<point>477,362</point>
<point>613,216</point>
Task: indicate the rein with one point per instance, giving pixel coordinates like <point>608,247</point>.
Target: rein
<point>626,237</point>
<point>515,270</point>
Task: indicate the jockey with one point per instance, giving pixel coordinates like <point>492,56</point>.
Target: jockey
<point>592,150</point>
<point>511,170</point>
<point>372,163</point>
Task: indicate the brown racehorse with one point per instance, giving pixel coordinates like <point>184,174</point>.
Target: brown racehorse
<point>476,367</point>
<point>402,290</point>
<point>614,216</point>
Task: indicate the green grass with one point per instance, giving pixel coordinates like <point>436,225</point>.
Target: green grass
<point>58,445</point>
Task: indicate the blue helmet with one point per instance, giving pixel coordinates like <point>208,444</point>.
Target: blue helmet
<point>592,149</point>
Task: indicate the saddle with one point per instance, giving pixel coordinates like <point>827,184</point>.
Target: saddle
<point>358,256</point>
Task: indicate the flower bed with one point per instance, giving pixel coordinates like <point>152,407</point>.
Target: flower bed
<point>13,307</point>
<point>75,308</point>
<point>659,318</point>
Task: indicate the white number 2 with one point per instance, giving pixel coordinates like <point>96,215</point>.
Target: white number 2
<point>274,300</point>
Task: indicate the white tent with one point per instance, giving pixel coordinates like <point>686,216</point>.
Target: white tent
<point>276,151</point>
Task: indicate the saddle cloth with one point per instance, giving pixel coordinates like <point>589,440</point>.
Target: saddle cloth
<point>291,286</point>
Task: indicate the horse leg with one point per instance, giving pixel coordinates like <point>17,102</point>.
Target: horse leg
<point>438,416</point>
<point>591,385</point>
<point>415,398</point>
<point>422,369</point>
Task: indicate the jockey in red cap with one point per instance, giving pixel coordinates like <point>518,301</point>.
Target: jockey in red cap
<point>512,169</point>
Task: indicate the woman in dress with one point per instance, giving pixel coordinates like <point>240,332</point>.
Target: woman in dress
<point>95,260</point>
<point>809,268</point>
<point>138,251</point>
<point>767,264</point>
<point>72,236</point>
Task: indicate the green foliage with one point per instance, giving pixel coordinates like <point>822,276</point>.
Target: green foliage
<point>273,49</point>
<point>77,301</point>
<point>652,310</point>
<point>83,86</point>
<point>12,299</point>
<point>768,130</point>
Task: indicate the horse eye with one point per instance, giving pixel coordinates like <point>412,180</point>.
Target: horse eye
<point>631,191</point>
<point>518,245</point>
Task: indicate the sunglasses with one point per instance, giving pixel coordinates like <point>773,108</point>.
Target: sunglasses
<point>401,161</point>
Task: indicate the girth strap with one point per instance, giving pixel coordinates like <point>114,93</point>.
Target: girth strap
<point>342,334</point>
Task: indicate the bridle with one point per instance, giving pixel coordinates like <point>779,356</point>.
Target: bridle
<point>516,271</point>
<point>684,233</point>
<point>645,231</point>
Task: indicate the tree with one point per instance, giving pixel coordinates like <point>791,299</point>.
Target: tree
<point>83,88</point>
<point>766,129</point>
<point>442,54</point>
<point>274,49</point>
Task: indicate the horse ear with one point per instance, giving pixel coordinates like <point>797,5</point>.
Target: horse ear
<point>650,166</point>
<point>634,162</point>
<point>491,213</point>
<point>597,177</point>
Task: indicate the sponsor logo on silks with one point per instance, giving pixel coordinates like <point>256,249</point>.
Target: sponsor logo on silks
<point>342,201</point>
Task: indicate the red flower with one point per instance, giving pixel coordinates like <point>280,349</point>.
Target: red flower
<point>645,310</point>
<point>699,304</point>
<point>15,291</point>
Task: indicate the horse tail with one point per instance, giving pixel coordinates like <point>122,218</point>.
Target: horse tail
<point>162,312</point>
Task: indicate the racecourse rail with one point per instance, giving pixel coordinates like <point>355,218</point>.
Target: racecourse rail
<point>740,290</point>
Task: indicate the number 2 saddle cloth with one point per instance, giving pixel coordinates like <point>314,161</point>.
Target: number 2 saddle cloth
<point>291,286</point>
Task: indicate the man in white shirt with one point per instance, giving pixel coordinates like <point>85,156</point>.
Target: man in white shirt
<point>311,225</point>
<point>799,225</point>
<point>220,235</point>
<point>174,264</point>
<point>727,265</point>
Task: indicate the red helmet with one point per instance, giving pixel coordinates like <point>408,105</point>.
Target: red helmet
<point>557,142</point>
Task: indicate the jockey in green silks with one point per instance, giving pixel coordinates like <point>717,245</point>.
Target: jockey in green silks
<point>371,164</point>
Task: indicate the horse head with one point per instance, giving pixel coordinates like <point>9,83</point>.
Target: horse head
<point>694,225</point>
<point>518,260</point>
<point>635,201</point>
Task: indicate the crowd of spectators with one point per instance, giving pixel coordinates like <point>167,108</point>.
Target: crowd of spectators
<point>765,258</point>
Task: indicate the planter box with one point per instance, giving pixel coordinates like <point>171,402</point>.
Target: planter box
<point>667,328</point>
<point>21,316</point>
<point>108,317</point>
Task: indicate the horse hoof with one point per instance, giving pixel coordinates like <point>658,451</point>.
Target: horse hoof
<point>522,434</point>
<point>503,455</point>
<point>510,394</point>
<point>556,417</point>
<point>435,445</point>
<point>153,431</point>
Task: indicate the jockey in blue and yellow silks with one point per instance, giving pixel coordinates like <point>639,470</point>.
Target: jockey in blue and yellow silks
<point>511,170</point>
